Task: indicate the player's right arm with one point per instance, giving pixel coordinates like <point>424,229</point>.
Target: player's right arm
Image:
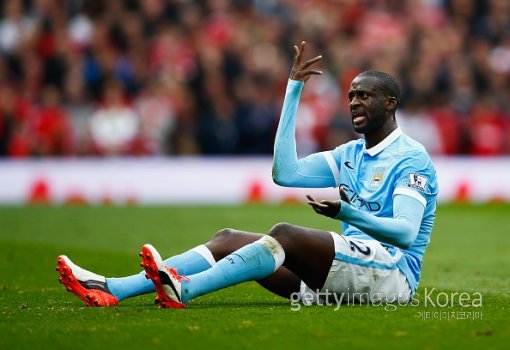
<point>288,170</point>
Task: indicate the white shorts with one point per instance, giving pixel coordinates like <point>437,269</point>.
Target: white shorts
<point>362,272</point>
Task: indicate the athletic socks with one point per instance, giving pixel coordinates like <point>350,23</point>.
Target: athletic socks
<point>193,261</point>
<point>251,262</point>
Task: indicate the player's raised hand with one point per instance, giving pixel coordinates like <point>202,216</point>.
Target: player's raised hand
<point>301,71</point>
<point>324,207</point>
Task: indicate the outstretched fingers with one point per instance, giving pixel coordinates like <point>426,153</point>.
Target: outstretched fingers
<point>299,52</point>
<point>300,71</point>
<point>324,207</point>
<point>309,72</point>
<point>297,56</point>
<point>311,61</point>
<point>319,207</point>
<point>302,46</point>
<point>343,195</point>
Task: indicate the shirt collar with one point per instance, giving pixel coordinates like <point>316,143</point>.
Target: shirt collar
<point>384,143</point>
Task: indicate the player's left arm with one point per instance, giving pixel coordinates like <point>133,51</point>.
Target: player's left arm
<point>415,185</point>
<point>400,231</point>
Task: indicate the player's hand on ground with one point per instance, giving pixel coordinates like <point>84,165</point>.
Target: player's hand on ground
<point>301,71</point>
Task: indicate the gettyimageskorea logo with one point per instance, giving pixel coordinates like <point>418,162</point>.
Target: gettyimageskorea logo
<point>442,302</point>
<point>436,301</point>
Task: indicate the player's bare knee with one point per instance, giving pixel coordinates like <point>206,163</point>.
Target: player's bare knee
<point>223,234</point>
<point>282,231</point>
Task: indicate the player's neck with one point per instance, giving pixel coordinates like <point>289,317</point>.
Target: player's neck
<point>374,138</point>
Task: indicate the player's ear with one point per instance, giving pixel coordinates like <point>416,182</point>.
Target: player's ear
<point>391,103</point>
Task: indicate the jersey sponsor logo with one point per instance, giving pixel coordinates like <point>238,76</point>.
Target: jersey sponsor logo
<point>417,181</point>
<point>348,164</point>
<point>359,202</point>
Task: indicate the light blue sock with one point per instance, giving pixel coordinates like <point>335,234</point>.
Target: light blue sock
<point>193,261</point>
<point>251,262</point>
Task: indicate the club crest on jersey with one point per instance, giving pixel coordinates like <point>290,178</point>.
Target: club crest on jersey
<point>417,181</point>
<point>377,177</point>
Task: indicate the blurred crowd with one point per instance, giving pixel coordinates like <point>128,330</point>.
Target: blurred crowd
<point>191,77</point>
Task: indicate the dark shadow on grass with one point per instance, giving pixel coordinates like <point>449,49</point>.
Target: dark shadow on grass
<point>214,305</point>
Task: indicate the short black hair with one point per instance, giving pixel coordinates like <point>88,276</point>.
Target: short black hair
<point>388,83</point>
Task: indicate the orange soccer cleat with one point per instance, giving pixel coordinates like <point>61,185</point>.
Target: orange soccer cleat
<point>86,285</point>
<point>166,280</point>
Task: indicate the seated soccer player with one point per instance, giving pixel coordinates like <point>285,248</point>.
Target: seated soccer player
<point>387,187</point>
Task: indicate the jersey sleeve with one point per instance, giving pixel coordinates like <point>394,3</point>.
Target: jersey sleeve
<point>416,178</point>
<point>315,170</point>
<point>400,230</point>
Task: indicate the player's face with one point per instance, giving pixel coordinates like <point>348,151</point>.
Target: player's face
<point>367,105</point>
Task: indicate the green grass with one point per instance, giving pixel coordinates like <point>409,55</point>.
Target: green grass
<point>469,252</point>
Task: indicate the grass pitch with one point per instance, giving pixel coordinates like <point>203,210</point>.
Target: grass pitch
<point>469,252</point>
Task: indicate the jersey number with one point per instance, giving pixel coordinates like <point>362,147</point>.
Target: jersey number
<point>355,247</point>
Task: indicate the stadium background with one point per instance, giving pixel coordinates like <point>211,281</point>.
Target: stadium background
<point>174,102</point>
<point>98,88</point>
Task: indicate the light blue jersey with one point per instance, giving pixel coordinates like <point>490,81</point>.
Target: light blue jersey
<point>372,178</point>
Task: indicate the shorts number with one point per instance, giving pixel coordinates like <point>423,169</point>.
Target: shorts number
<point>355,247</point>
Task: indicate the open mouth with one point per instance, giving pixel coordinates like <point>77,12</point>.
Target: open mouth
<point>358,119</point>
